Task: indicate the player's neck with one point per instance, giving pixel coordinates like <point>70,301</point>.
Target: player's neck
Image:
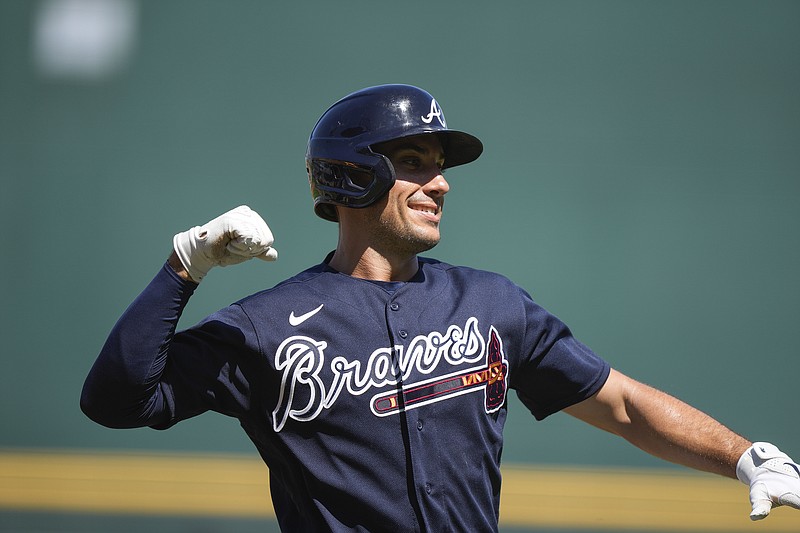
<point>369,263</point>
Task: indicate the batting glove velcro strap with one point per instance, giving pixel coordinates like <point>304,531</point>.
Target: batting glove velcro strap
<point>773,477</point>
<point>231,238</point>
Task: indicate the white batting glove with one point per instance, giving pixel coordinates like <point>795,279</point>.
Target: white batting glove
<point>773,477</point>
<point>231,238</point>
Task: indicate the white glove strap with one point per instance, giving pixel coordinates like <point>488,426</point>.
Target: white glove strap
<point>761,454</point>
<point>185,245</point>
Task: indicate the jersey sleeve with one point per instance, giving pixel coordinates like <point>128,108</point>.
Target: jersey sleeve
<point>557,370</point>
<point>148,375</point>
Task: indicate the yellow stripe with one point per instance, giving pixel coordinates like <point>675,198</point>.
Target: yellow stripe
<point>220,485</point>
<point>135,483</point>
<point>639,500</point>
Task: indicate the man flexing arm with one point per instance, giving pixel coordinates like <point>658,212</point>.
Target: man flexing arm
<point>123,387</point>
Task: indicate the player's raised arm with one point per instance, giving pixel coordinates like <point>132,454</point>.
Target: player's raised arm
<point>127,385</point>
<point>677,432</point>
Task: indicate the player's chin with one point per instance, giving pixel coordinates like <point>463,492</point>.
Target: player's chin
<point>428,239</point>
<point>419,236</point>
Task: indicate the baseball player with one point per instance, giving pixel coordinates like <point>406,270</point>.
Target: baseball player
<point>374,384</point>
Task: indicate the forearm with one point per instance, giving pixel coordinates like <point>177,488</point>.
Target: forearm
<point>121,389</point>
<point>675,431</point>
<point>663,426</point>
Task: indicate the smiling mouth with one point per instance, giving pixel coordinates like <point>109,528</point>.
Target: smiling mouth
<point>425,209</point>
<point>430,212</point>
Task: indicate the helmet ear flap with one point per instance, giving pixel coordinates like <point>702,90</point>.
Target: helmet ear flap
<point>352,184</point>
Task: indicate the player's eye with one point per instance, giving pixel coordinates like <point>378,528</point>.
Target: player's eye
<point>412,162</point>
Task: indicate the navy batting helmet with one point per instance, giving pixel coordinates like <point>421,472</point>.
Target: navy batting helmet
<point>343,169</point>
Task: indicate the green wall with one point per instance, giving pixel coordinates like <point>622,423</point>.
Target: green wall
<point>641,179</point>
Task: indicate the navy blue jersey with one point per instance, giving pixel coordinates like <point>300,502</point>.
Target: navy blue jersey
<point>377,407</point>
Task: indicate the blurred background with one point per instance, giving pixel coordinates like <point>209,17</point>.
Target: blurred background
<point>641,178</point>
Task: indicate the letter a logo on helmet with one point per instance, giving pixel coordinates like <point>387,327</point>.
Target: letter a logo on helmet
<point>436,111</point>
<point>342,167</point>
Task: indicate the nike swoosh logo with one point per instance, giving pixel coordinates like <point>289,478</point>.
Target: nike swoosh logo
<point>297,320</point>
<point>793,467</point>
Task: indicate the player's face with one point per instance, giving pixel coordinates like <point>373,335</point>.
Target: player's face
<point>408,216</point>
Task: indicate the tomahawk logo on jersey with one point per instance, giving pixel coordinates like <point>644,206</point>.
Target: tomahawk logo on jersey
<point>491,378</point>
<point>301,360</point>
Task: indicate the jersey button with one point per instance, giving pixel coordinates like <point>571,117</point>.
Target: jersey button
<point>394,306</point>
<point>403,334</point>
<point>419,425</point>
<point>428,488</point>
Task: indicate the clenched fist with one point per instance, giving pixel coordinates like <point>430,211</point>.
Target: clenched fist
<point>231,238</point>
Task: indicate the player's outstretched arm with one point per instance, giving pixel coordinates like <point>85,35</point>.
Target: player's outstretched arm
<point>677,432</point>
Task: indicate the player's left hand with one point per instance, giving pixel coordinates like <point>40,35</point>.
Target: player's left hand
<point>773,477</point>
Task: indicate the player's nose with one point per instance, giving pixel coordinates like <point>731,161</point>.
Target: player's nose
<point>437,185</point>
